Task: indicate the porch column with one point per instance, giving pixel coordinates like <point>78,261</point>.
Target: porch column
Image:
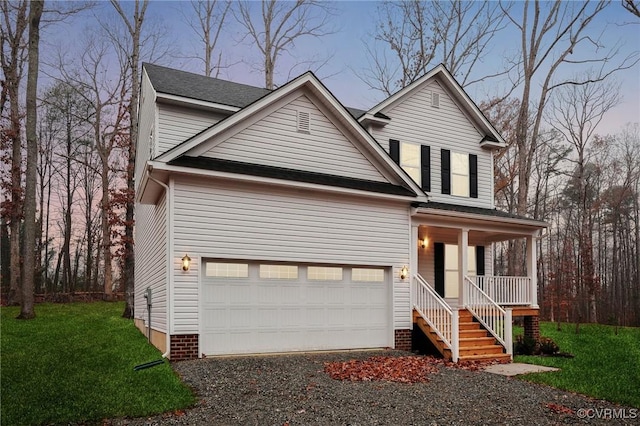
<point>413,265</point>
<point>532,270</point>
<point>463,243</point>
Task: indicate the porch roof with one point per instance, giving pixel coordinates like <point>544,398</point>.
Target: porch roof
<point>499,224</point>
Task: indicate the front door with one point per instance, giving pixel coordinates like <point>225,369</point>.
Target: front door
<point>446,267</point>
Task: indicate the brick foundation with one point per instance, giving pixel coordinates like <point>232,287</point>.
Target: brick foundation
<point>183,347</point>
<point>402,340</point>
<point>532,327</point>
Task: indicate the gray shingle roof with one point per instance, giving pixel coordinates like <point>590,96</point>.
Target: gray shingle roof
<point>181,83</point>
<point>195,86</point>
<point>473,210</point>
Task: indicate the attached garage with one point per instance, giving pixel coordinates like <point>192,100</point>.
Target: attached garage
<point>261,307</point>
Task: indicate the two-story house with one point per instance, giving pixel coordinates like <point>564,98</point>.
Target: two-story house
<point>277,221</point>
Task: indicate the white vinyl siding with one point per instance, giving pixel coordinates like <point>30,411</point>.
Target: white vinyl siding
<point>147,116</point>
<point>276,141</point>
<point>176,124</point>
<point>151,262</point>
<point>242,221</point>
<point>413,120</point>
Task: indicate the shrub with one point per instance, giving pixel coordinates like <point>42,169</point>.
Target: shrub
<point>547,346</point>
<point>525,345</point>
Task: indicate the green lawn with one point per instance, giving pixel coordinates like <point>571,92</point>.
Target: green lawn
<point>74,363</point>
<point>606,365</point>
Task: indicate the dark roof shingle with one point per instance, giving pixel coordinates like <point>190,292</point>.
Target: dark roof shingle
<point>291,174</point>
<point>470,209</point>
<point>181,83</point>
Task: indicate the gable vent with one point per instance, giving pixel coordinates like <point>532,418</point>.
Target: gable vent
<point>435,100</point>
<point>303,122</point>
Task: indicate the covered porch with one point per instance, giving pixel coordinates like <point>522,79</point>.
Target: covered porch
<point>452,271</point>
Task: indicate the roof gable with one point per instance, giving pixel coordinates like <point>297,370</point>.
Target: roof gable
<point>275,140</point>
<point>309,86</point>
<point>491,137</point>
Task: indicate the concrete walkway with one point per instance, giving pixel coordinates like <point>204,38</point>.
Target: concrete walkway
<point>515,369</point>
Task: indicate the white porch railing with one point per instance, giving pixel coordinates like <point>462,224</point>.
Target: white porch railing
<point>495,319</point>
<point>438,314</point>
<point>505,290</point>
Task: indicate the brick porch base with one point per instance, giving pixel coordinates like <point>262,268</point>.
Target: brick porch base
<point>402,340</point>
<point>532,327</point>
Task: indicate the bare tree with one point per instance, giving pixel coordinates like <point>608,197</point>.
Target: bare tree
<point>553,35</point>
<point>134,28</point>
<point>279,26</point>
<point>209,23</point>
<point>418,34</point>
<point>26,305</point>
<point>632,7</point>
<point>12,59</point>
<point>575,111</point>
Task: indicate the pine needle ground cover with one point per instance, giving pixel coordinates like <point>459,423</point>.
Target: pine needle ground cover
<point>606,365</point>
<point>74,363</point>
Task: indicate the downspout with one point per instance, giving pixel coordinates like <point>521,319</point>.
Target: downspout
<point>169,256</point>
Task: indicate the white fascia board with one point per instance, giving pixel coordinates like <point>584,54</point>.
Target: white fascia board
<point>531,224</point>
<point>142,184</point>
<point>276,182</point>
<point>174,99</point>
<point>370,118</point>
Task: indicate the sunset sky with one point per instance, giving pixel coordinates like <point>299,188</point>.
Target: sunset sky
<point>354,25</point>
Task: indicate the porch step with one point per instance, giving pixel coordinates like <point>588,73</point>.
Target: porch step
<point>464,334</point>
<point>476,343</point>
<point>480,350</point>
<point>469,326</point>
<point>490,357</point>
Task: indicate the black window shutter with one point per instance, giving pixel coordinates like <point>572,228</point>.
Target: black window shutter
<point>473,176</point>
<point>438,257</point>
<point>394,150</point>
<point>446,171</point>
<point>425,164</point>
<point>479,260</point>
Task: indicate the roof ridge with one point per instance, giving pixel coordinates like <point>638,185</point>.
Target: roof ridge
<point>198,75</point>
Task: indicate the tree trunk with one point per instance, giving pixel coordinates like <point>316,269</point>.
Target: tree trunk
<point>26,307</point>
<point>106,229</point>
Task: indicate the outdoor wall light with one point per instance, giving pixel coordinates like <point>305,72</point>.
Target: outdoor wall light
<point>404,272</point>
<point>424,243</point>
<point>186,262</point>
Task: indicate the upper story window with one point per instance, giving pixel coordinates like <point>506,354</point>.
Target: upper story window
<point>410,159</point>
<point>414,159</point>
<point>459,174</point>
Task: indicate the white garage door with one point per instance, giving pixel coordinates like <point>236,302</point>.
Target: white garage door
<point>265,307</point>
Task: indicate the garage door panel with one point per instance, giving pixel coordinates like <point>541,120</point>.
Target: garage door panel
<point>254,314</point>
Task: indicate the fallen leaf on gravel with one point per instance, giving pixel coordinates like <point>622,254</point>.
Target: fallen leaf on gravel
<point>559,409</point>
<point>301,411</point>
<point>404,369</point>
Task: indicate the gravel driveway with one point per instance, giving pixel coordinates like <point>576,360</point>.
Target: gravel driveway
<point>294,390</point>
